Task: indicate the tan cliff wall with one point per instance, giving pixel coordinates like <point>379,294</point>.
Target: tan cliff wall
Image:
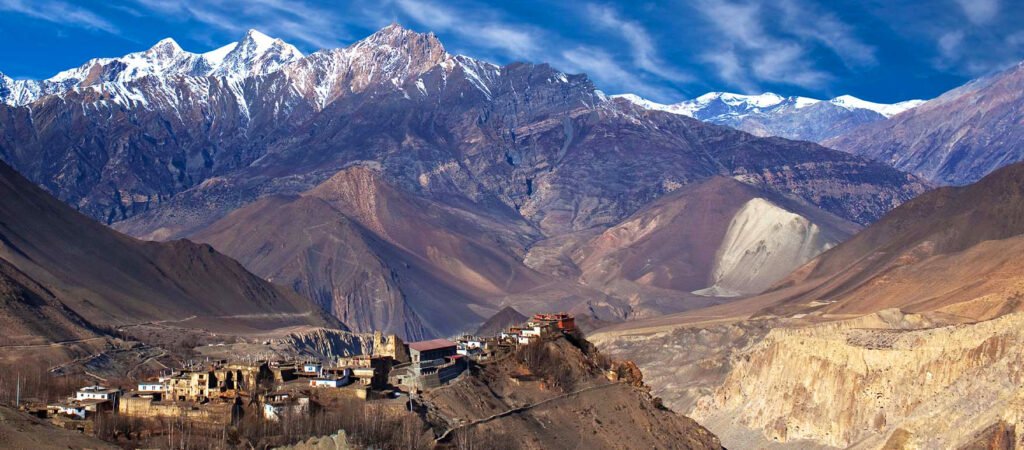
<point>840,386</point>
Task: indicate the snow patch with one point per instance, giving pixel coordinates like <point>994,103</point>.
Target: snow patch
<point>888,110</point>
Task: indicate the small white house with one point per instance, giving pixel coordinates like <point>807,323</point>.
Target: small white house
<point>73,410</point>
<point>316,368</point>
<point>274,411</point>
<point>534,331</point>
<point>151,387</point>
<point>333,382</point>
<point>97,393</point>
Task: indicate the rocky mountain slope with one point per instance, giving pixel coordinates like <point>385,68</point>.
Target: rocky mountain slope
<point>799,118</point>
<point>437,122</point>
<point>72,270</point>
<point>901,337</point>
<point>32,315</point>
<point>556,394</point>
<point>380,258</point>
<point>505,169</point>
<point>718,237</point>
<point>956,138</point>
<point>20,430</point>
<point>949,251</point>
<point>501,321</point>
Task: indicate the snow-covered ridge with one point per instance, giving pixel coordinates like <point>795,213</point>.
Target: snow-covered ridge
<point>393,55</point>
<point>717,104</point>
<point>887,110</point>
<point>255,54</point>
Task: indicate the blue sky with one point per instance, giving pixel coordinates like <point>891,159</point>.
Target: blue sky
<point>879,50</point>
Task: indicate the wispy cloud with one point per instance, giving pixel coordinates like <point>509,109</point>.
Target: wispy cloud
<point>810,23</point>
<point>604,68</point>
<point>482,27</point>
<point>289,20</point>
<point>980,12</point>
<point>59,12</point>
<point>643,49</point>
<point>776,42</point>
<point>749,54</point>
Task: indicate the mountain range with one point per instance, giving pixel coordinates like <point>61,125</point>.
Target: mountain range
<point>954,139</point>
<point>768,114</point>
<point>784,269</point>
<point>517,177</point>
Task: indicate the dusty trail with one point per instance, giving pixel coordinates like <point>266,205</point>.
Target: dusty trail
<point>520,409</point>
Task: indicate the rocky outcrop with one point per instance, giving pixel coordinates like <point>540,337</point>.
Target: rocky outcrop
<point>331,344</point>
<point>556,394</point>
<point>840,384</point>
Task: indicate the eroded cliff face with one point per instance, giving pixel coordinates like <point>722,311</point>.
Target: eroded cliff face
<point>868,383</point>
<point>329,343</point>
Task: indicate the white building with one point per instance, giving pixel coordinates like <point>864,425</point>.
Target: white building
<point>97,393</point>
<point>333,381</point>
<point>316,368</point>
<point>274,411</point>
<point>533,331</point>
<point>150,387</point>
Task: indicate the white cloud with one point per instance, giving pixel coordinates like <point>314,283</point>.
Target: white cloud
<point>290,20</point>
<point>810,23</point>
<point>59,12</point>
<point>644,52</point>
<point>774,41</point>
<point>730,69</point>
<point>603,68</point>
<point>480,27</point>
<point>980,12</point>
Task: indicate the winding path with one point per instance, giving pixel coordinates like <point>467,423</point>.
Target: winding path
<point>520,409</point>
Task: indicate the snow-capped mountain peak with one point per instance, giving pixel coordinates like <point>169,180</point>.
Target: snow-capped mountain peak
<point>166,47</point>
<point>888,110</point>
<point>765,100</point>
<point>256,53</point>
<point>216,57</point>
<point>682,108</point>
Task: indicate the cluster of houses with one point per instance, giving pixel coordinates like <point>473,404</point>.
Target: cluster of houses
<point>436,362</point>
<point>218,391</point>
<point>539,326</point>
<point>215,391</point>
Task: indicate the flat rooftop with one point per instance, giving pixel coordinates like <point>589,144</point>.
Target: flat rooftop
<point>433,344</point>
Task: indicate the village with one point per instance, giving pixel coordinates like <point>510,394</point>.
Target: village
<point>218,394</point>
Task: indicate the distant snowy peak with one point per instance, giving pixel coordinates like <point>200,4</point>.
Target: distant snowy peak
<point>769,114</point>
<point>888,110</point>
<point>682,108</point>
<point>715,105</point>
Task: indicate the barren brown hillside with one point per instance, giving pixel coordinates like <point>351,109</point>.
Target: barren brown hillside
<point>108,278</point>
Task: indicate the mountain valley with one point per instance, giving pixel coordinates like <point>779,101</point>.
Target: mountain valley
<point>505,256</point>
